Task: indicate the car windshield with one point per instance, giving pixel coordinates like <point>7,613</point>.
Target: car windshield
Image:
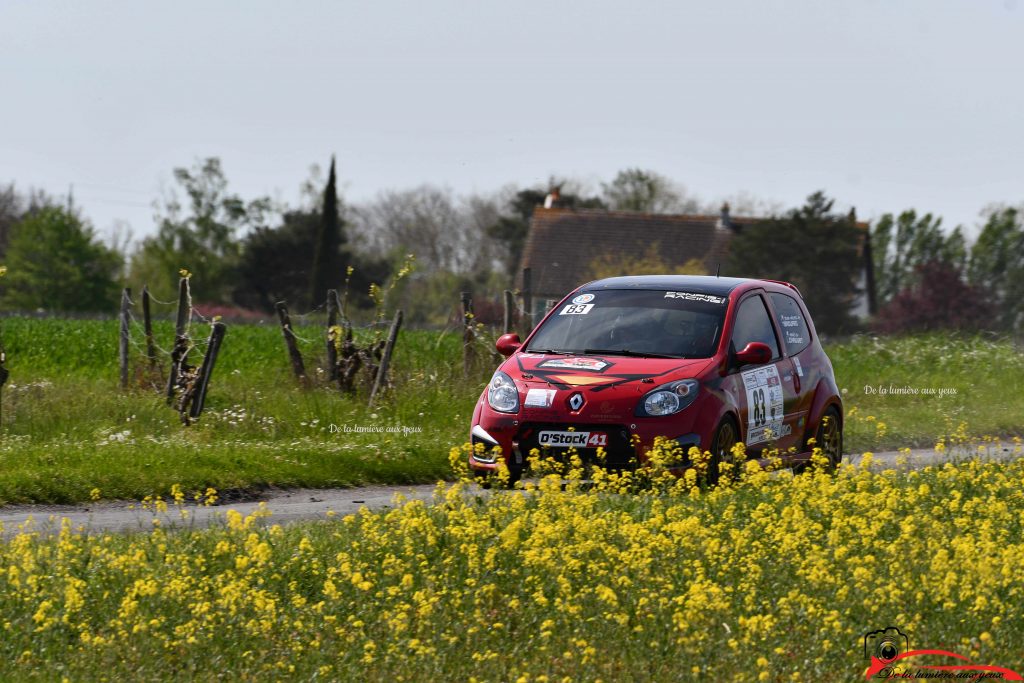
<point>643,322</point>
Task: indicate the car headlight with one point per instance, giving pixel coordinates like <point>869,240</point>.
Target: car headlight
<point>668,398</point>
<point>502,394</point>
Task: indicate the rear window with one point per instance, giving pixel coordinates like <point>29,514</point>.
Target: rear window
<point>657,322</point>
<point>795,334</point>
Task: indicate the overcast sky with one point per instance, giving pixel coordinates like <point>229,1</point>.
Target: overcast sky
<point>884,104</point>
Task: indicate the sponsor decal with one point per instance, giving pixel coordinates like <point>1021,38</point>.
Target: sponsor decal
<point>583,299</point>
<point>540,398</point>
<point>693,296</point>
<point>576,309</point>
<point>799,368</point>
<point>579,380</point>
<point>571,439</point>
<point>764,403</point>
<point>589,364</point>
<point>790,320</point>
<point>890,656</point>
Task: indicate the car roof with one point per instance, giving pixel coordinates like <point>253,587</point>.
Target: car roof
<point>698,284</point>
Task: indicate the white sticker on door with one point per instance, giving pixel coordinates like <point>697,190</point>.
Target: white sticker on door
<point>764,403</point>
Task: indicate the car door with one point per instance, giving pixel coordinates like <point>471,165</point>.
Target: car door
<point>796,342</point>
<point>766,395</point>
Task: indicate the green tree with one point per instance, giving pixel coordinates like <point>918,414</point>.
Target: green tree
<point>997,264</point>
<point>635,189</point>
<point>329,260</point>
<point>812,247</point>
<point>55,262</point>
<point>903,244</point>
<point>650,262</point>
<point>201,237</point>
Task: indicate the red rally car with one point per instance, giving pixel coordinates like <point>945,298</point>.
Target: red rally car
<point>706,361</point>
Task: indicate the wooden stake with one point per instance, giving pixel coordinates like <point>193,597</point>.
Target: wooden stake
<point>468,334</point>
<point>147,326</point>
<point>333,338</point>
<point>126,306</point>
<point>4,374</point>
<point>527,301</point>
<point>206,369</point>
<point>179,354</point>
<point>385,361</point>
<point>510,303</point>
<point>298,367</point>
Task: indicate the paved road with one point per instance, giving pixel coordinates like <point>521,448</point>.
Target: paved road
<point>311,504</point>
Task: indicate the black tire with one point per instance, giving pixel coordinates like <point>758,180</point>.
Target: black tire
<point>487,479</point>
<point>829,437</point>
<point>727,434</point>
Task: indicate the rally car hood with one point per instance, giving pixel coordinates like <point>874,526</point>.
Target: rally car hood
<point>599,373</point>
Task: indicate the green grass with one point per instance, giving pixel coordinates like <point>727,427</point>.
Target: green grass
<point>69,429</point>
<point>986,375</point>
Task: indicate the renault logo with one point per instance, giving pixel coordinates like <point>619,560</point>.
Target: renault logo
<point>576,401</point>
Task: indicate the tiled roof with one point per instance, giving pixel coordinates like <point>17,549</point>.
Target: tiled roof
<point>563,243</point>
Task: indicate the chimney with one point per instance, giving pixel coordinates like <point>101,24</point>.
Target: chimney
<point>553,198</point>
<point>724,220</point>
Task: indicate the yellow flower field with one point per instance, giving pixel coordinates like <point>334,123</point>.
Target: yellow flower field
<point>620,577</point>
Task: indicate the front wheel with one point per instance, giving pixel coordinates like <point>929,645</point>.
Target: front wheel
<point>726,436</point>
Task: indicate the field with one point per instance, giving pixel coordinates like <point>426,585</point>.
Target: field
<point>770,576</point>
<point>68,430</point>
<point>647,578</point>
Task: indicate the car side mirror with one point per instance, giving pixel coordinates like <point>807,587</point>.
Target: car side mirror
<point>507,344</point>
<point>754,353</point>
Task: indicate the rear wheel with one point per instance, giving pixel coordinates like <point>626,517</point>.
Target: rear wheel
<point>829,437</point>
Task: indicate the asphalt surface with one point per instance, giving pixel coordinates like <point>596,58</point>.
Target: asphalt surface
<point>292,505</point>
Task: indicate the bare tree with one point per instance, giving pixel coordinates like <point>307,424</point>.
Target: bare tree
<point>635,189</point>
<point>425,221</point>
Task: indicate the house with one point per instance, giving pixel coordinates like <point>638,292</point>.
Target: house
<point>563,244</point>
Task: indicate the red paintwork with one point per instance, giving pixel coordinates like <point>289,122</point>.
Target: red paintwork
<point>612,394</point>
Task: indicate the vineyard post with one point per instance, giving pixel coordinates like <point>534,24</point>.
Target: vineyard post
<point>147,326</point>
<point>385,360</point>
<point>468,334</point>
<point>289,341</point>
<point>179,354</point>
<point>509,312</point>
<point>126,305</point>
<point>333,338</point>
<point>527,301</point>
<point>206,369</point>
<point>4,373</point>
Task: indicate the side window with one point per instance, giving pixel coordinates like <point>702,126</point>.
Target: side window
<point>753,325</point>
<point>795,334</point>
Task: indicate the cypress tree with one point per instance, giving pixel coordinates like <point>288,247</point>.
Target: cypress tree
<point>327,255</point>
